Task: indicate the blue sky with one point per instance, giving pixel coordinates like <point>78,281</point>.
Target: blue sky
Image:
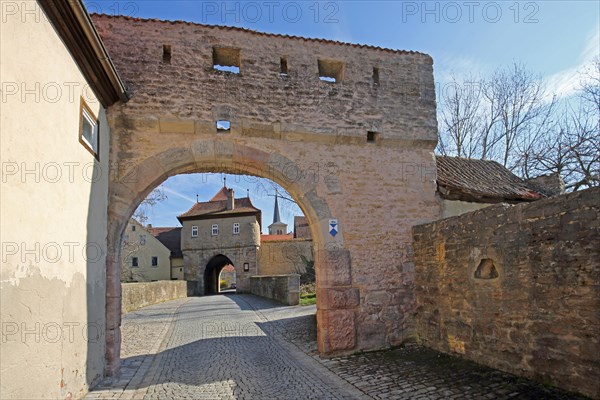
<point>181,190</point>
<point>553,38</point>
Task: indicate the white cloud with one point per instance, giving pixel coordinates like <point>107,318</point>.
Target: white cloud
<point>459,67</point>
<point>175,193</point>
<point>564,83</point>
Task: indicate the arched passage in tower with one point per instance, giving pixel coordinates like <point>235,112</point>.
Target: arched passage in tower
<point>212,273</point>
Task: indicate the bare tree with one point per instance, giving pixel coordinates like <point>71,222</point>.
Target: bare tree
<point>572,146</point>
<point>522,110</point>
<point>499,118</point>
<point>590,85</point>
<point>460,117</point>
<point>155,197</point>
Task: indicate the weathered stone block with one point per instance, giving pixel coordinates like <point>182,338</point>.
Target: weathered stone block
<point>333,267</point>
<point>336,331</point>
<point>338,298</point>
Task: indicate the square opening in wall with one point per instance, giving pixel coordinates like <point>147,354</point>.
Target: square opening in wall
<point>372,137</point>
<point>166,54</point>
<point>227,60</point>
<point>283,66</point>
<point>223,126</point>
<point>331,71</point>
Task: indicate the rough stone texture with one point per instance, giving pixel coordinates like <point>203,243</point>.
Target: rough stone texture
<point>282,288</point>
<point>284,257</point>
<point>217,347</point>
<point>307,135</point>
<point>142,294</point>
<point>550,185</point>
<point>516,288</point>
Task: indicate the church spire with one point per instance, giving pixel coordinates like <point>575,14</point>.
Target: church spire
<point>276,216</point>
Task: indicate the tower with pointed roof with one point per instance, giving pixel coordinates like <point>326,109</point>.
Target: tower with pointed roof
<point>277,227</point>
<point>220,232</point>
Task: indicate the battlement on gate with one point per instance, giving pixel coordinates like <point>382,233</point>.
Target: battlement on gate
<point>221,79</point>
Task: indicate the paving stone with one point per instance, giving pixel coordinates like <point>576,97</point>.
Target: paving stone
<point>245,347</point>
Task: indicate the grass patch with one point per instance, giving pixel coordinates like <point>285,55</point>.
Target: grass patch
<point>307,299</point>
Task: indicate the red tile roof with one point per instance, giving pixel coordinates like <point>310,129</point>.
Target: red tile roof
<point>218,209</point>
<point>221,195</point>
<point>258,33</point>
<point>480,181</point>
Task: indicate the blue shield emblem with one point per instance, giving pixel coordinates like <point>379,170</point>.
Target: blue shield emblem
<point>333,227</point>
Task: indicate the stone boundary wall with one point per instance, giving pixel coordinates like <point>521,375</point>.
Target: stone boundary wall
<point>516,288</point>
<point>142,294</point>
<point>284,256</point>
<point>282,288</point>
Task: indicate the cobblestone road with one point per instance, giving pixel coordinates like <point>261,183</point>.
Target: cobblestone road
<point>216,347</point>
<point>244,347</point>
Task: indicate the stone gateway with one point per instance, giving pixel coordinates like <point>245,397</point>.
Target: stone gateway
<point>342,143</point>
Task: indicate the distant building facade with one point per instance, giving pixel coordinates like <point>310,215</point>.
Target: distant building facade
<point>282,253</point>
<point>170,237</point>
<point>222,231</point>
<point>143,257</point>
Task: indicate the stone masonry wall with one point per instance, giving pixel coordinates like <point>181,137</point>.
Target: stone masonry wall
<point>282,288</point>
<point>516,288</point>
<point>284,256</point>
<point>142,294</point>
<point>197,260</point>
<point>305,134</point>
